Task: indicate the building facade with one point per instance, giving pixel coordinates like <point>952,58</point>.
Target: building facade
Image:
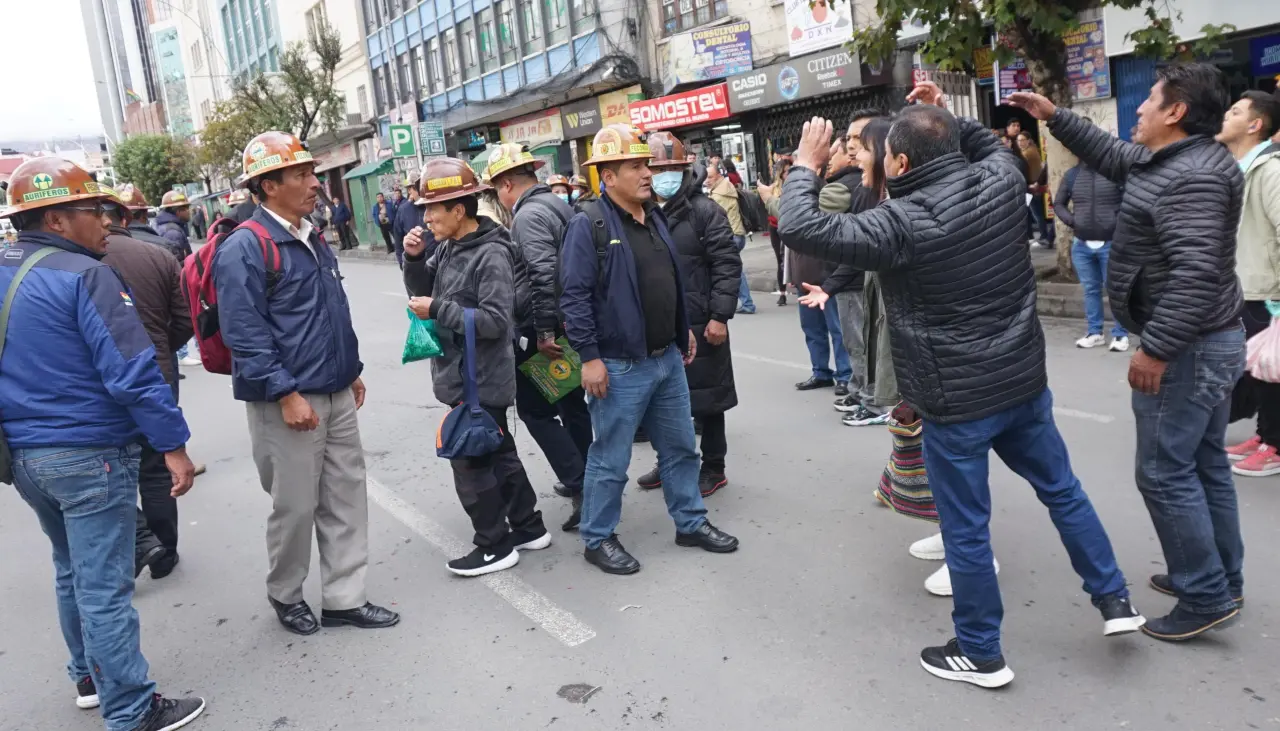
<point>250,36</point>
<point>204,59</point>
<point>123,62</point>
<point>173,78</point>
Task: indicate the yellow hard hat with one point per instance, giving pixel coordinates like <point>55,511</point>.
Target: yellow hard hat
<point>509,156</point>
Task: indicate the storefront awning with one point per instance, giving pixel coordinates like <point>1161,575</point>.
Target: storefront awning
<point>377,167</point>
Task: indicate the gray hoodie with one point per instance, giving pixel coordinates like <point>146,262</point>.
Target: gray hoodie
<point>475,271</point>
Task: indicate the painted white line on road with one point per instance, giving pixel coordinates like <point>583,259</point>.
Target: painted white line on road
<point>1058,410</point>
<point>401,295</point>
<point>558,622</point>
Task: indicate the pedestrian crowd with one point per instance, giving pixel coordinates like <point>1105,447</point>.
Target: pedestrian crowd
<point>605,318</point>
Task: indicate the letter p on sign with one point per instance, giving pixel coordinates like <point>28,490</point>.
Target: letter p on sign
<point>402,141</point>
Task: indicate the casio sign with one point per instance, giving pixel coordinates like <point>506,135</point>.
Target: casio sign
<point>755,81</point>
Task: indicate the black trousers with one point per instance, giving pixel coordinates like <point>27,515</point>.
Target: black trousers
<point>386,237</point>
<point>715,444</point>
<point>564,442</point>
<point>780,252</point>
<point>345,237</point>
<point>495,491</point>
<point>158,506</point>
<point>1252,396</point>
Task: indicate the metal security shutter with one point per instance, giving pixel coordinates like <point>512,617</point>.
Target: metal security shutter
<point>1132,78</point>
<point>780,126</point>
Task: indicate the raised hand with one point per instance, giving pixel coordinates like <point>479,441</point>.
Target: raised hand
<point>815,145</point>
<point>1036,105</point>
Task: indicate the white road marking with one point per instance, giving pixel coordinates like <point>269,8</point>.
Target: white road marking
<point>1057,410</point>
<point>558,622</point>
<point>400,295</point>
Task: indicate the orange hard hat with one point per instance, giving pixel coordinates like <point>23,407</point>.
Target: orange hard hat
<point>273,151</point>
<point>174,199</point>
<point>618,142</point>
<point>667,149</point>
<point>557,179</point>
<point>132,198</point>
<point>49,181</point>
<point>446,178</point>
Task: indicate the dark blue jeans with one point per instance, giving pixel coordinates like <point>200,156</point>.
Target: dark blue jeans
<point>1091,266</point>
<point>85,499</point>
<point>1027,441</point>
<point>1185,477</point>
<point>649,392</point>
<point>823,337</point>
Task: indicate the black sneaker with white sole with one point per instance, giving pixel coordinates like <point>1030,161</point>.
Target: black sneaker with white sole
<point>167,714</point>
<point>484,561</point>
<point>1119,617</point>
<point>86,693</point>
<point>530,540</point>
<point>862,416</point>
<point>950,662</point>
<point>848,403</point>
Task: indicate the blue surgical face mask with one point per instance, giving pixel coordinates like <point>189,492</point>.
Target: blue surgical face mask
<point>575,195</point>
<point>563,196</point>
<point>667,183</point>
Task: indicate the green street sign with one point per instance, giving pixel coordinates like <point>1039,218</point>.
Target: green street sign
<point>402,141</point>
<point>432,135</point>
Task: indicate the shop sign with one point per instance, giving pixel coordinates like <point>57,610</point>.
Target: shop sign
<point>1264,55</point>
<point>614,105</point>
<point>984,64</point>
<point>1088,69</point>
<point>680,110</point>
<point>535,130</point>
<point>813,25</point>
<point>818,73</point>
<point>706,55</point>
<point>581,119</point>
<point>1012,77</point>
<point>344,154</point>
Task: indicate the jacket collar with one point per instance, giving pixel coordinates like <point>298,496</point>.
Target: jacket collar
<point>278,233</point>
<point>41,238</point>
<point>1259,155</point>
<point>536,189</point>
<point>144,228</point>
<point>927,174</point>
<point>1186,143</point>
<point>850,177</point>
<point>486,230</point>
<point>168,217</point>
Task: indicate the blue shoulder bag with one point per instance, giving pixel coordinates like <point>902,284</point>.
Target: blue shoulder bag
<point>468,430</point>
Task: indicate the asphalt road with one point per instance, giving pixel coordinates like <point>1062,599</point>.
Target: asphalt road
<point>816,623</point>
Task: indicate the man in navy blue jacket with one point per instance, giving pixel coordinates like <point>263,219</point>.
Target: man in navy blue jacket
<point>408,217</point>
<point>79,391</point>
<point>623,305</point>
<point>296,364</point>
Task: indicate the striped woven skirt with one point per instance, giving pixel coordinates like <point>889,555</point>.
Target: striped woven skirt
<point>904,487</point>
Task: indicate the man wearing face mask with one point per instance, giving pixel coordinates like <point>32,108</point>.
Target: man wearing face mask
<point>969,353</point>
<point>582,192</point>
<point>539,217</point>
<point>711,267</point>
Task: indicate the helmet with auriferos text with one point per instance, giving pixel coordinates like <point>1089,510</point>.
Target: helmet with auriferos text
<point>446,178</point>
<point>272,151</point>
<point>49,181</point>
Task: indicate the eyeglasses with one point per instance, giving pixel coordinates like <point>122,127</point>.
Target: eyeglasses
<point>98,210</point>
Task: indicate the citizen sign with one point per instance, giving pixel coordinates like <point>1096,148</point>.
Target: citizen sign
<point>678,110</point>
<point>797,78</point>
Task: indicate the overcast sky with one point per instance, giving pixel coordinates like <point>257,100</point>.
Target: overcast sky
<point>50,92</point>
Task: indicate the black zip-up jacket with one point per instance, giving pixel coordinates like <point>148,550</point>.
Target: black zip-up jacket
<point>1172,271</point>
<point>539,219</point>
<point>950,249</point>
<point>1094,204</point>
<point>847,277</point>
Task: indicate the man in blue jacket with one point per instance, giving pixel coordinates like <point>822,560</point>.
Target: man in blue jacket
<point>624,311</point>
<point>79,391</point>
<point>408,217</point>
<point>342,222</point>
<point>383,215</point>
<point>296,364</point>
<point>171,222</point>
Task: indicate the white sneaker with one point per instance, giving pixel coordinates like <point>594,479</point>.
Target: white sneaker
<point>189,361</point>
<point>1091,341</point>
<point>928,549</point>
<point>939,582</point>
<point>1119,345</point>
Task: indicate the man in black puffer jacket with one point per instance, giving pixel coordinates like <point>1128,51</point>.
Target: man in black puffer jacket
<point>712,268</point>
<point>968,350</point>
<point>1088,203</point>
<point>1172,279</point>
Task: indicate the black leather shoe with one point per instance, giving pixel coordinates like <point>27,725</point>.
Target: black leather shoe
<point>370,616</point>
<point>1181,625</point>
<point>708,538</point>
<point>1163,584</point>
<point>297,617</point>
<point>710,481</point>
<point>815,383</point>
<point>651,479</point>
<point>842,388</point>
<point>575,517</point>
<point>165,565</point>
<point>611,558</point>
<point>561,490</point>
<point>147,558</point>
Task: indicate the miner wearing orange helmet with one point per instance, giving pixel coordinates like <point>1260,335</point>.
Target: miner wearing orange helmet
<point>79,391</point>
<point>624,308</point>
<point>296,365</point>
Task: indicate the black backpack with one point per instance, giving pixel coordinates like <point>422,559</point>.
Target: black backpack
<point>755,218</point>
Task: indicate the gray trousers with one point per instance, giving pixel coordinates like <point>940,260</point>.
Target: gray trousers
<point>851,316</point>
<point>315,479</point>
<point>881,392</point>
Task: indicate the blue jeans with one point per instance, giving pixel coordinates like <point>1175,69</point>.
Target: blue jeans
<point>86,501</point>
<point>649,392</point>
<point>1091,265</point>
<point>744,290</point>
<point>823,337</point>
<point>1185,477</point>
<point>1025,438</point>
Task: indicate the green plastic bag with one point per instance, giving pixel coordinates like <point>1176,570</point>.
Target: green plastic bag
<point>422,342</point>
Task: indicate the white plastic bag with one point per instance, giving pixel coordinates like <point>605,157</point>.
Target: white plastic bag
<point>1263,359</point>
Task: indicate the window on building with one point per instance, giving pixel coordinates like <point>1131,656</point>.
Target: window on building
<point>557,21</point>
<point>316,20</point>
<point>452,64</point>
<point>681,15</point>
<point>273,59</point>
<point>402,78</point>
<point>507,43</point>
<point>266,19</point>
<point>435,75</point>
<point>469,49</point>
<point>531,25</point>
<point>488,41</point>
<point>584,15</point>
<point>370,15</point>
<point>197,58</point>
<point>379,99</point>
<point>415,73</point>
<point>362,100</point>
<point>255,21</point>
<point>206,111</point>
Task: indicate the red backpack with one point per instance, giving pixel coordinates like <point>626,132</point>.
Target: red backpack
<point>202,297</point>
